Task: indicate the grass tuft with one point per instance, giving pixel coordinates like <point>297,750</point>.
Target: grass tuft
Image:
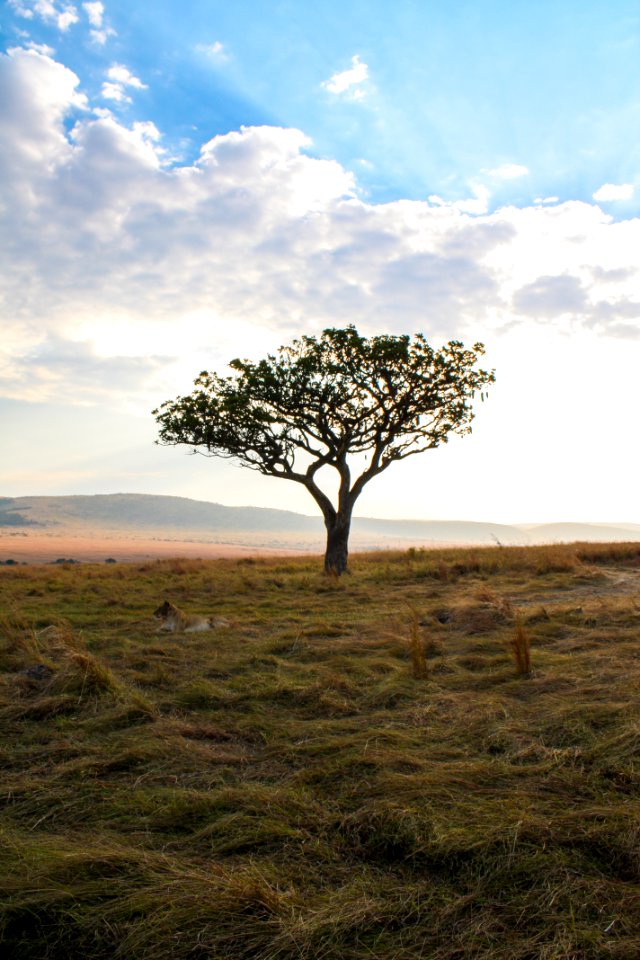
<point>521,649</point>
<point>417,649</point>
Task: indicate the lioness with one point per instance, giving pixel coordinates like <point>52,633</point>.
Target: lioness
<point>179,622</point>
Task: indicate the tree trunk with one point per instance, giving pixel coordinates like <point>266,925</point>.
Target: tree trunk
<point>337,552</point>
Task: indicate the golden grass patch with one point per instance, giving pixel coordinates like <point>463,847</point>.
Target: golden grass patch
<point>437,756</point>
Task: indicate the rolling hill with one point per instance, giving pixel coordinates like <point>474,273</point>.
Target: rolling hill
<point>142,514</point>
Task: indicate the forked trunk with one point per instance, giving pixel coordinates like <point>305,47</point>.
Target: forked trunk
<point>337,552</point>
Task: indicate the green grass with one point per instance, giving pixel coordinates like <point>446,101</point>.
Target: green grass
<point>435,757</point>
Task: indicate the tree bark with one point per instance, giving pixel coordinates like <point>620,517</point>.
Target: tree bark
<point>337,552</point>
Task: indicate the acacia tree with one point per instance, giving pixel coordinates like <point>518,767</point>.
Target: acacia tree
<point>322,400</point>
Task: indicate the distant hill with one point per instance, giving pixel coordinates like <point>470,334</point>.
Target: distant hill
<point>10,515</point>
<point>144,512</point>
<point>179,516</point>
<point>570,532</point>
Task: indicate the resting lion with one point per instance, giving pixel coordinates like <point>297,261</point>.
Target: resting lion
<point>179,622</point>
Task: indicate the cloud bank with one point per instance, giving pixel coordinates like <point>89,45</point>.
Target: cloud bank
<point>113,252</point>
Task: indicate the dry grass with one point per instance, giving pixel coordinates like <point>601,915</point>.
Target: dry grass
<point>328,778</point>
<point>521,647</point>
<point>417,648</point>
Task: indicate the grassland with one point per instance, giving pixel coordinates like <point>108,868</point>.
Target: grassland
<point>436,757</point>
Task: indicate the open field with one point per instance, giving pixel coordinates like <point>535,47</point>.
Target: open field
<point>133,526</point>
<point>122,546</point>
<point>436,757</point>
<point>35,546</point>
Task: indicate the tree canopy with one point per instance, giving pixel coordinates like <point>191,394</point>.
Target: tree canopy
<point>319,401</point>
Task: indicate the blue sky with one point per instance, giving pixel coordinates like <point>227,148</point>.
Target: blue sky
<point>453,90</point>
<point>183,182</point>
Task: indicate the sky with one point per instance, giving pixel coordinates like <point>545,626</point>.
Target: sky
<point>185,183</point>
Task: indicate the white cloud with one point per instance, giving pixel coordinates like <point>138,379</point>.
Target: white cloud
<point>21,8</point>
<point>66,18</point>
<point>146,130</point>
<point>551,296</point>
<point>215,51</point>
<point>109,252</point>
<point>119,78</point>
<point>349,81</point>
<point>115,91</point>
<point>61,369</point>
<point>508,171</point>
<point>101,36</point>
<point>120,74</point>
<point>100,31</point>
<point>95,12</point>
<point>42,48</point>
<point>614,191</point>
<point>38,96</point>
<point>62,15</point>
<point>479,204</point>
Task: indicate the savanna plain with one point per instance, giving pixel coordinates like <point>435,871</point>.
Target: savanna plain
<point>434,757</point>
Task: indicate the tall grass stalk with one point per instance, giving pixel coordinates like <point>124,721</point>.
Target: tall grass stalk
<point>417,649</point>
<point>521,649</point>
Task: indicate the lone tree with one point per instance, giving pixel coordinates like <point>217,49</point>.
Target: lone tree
<point>322,400</point>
